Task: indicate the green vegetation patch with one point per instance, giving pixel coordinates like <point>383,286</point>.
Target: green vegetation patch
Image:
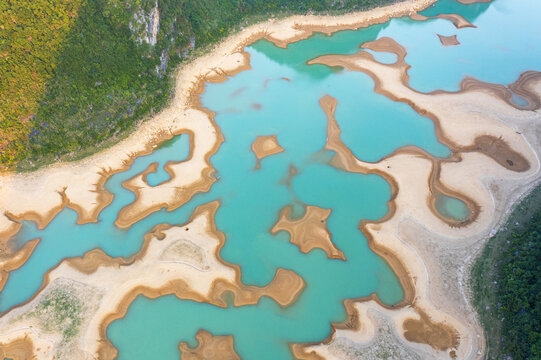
<point>506,283</point>
<point>60,311</point>
<point>79,74</point>
<point>31,33</point>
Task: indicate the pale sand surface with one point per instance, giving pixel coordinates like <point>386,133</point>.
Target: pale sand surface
<point>424,243</point>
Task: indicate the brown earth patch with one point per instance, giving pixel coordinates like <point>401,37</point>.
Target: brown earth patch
<point>439,336</point>
<point>501,152</point>
<point>18,349</point>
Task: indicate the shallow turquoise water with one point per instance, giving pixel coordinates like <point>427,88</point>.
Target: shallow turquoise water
<point>504,44</point>
<point>372,126</point>
<point>452,208</point>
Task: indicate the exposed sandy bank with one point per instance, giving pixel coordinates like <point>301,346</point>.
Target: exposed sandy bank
<point>458,21</point>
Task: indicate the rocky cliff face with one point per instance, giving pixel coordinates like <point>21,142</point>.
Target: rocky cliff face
<point>146,26</point>
<point>161,69</point>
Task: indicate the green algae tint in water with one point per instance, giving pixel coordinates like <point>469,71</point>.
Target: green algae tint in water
<point>452,208</point>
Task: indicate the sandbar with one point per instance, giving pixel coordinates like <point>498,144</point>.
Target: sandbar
<point>448,40</point>
<point>310,231</point>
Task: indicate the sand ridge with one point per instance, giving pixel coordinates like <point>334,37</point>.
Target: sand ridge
<point>14,260</point>
<point>523,86</point>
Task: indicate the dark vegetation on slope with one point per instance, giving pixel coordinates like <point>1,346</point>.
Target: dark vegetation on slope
<point>75,75</point>
<point>506,284</point>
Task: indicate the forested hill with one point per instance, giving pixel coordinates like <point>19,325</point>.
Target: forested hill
<point>506,284</point>
<point>75,75</point>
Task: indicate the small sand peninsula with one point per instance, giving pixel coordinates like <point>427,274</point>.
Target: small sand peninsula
<point>458,21</point>
<point>448,40</point>
<point>264,146</point>
<point>494,145</point>
<point>310,231</point>
<point>525,86</point>
<point>209,348</point>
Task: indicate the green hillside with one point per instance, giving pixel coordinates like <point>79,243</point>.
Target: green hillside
<point>77,75</point>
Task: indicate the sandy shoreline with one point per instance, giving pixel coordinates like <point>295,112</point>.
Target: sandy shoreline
<point>80,186</point>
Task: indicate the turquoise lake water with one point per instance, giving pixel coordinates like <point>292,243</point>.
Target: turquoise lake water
<point>505,44</point>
